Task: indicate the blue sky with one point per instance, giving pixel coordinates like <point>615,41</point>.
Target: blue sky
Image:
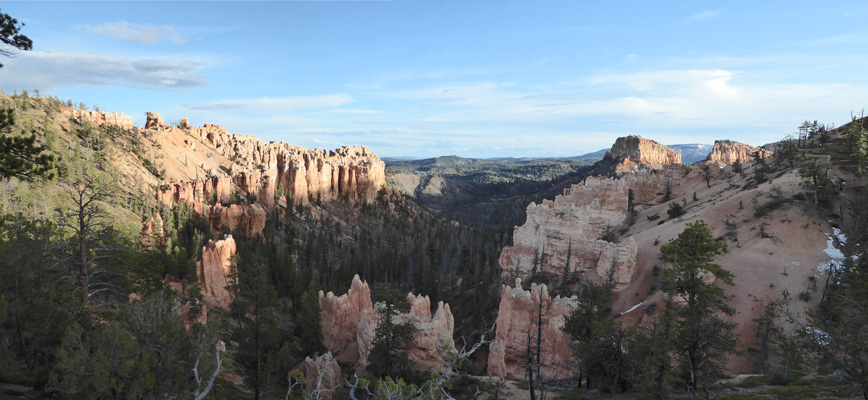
<point>470,78</point>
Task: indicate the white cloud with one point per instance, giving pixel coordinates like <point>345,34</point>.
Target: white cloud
<point>136,33</point>
<point>355,111</point>
<point>843,39</point>
<point>274,104</point>
<point>711,82</point>
<point>703,15</point>
<point>48,71</point>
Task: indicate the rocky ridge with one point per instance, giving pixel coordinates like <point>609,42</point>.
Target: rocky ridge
<point>252,178</point>
<point>99,118</point>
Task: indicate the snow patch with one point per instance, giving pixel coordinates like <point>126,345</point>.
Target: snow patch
<point>632,309</point>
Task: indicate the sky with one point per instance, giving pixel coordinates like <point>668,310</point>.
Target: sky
<point>469,78</point>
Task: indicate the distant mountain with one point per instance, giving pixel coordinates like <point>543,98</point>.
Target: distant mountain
<point>692,153</point>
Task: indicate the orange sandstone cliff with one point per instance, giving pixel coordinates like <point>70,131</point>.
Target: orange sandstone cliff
<point>635,150</point>
<point>730,152</point>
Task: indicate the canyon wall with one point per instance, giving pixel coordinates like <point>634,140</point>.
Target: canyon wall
<point>573,224</point>
<point>353,172</point>
<point>255,177</point>
<point>519,309</point>
<point>729,152</point>
<point>572,227</point>
<point>348,323</point>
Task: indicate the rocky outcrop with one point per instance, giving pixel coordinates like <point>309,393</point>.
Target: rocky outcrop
<point>571,227</point>
<point>154,121</point>
<point>213,271</point>
<point>99,118</point>
<point>348,323</point>
<point>265,177</point>
<point>635,150</point>
<point>730,152</point>
<point>519,309</point>
<point>433,338</point>
<point>322,375</point>
<point>340,316</point>
<point>353,172</point>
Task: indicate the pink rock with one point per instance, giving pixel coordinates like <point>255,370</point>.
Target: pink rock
<point>349,321</point>
<point>729,152</point>
<point>214,270</point>
<point>340,316</point>
<point>638,150</point>
<point>322,375</point>
<point>515,321</point>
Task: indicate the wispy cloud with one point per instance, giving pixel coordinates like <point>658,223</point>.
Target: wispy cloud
<point>847,38</point>
<point>703,15</point>
<point>354,111</point>
<point>274,104</point>
<point>136,33</point>
<point>48,70</point>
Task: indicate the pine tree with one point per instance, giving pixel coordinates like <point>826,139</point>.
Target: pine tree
<point>702,338</point>
<point>22,157</point>
<point>10,37</point>
<point>388,355</point>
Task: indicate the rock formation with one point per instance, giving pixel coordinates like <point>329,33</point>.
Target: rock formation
<point>322,375</point>
<point>274,175</point>
<point>213,272</point>
<point>637,150</point>
<point>99,118</point>
<point>433,339</point>
<point>575,222</point>
<point>518,309</point>
<point>340,316</point>
<point>729,152</point>
<point>154,121</point>
<point>348,323</point>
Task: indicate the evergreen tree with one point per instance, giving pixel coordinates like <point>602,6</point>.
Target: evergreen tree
<point>702,338</point>
<point>309,328</point>
<point>837,335</point>
<point>256,305</point>
<point>11,39</point>
<point>22,157</point>
<point>589,325</point>
<point>388,355</point>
